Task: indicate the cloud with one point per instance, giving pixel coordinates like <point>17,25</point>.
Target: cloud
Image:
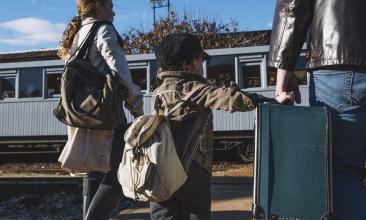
<point>30,31</point>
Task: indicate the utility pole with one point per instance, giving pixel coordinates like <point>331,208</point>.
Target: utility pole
<point>160,4</point>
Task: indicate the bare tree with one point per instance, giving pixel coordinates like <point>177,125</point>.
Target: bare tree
<point>211,33</point>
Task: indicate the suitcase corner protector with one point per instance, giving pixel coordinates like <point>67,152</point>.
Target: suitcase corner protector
<point>327,216</point>
<point>258,212</point>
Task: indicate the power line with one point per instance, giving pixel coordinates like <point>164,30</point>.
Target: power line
<point>160,4</point>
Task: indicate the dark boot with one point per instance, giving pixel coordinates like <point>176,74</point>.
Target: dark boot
<point>90,187</point>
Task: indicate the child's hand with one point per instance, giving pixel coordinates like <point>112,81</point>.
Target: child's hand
<point>286,98</point>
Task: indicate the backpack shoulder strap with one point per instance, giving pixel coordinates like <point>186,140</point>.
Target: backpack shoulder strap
<point>85,46</point>
<point>185,98</point>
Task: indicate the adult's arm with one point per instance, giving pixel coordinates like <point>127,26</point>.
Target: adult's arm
<point>108,46</point>
<point>292,19</point>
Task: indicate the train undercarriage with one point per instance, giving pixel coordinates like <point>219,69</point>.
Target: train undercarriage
<point>32,145</point>
<point>240,143</point>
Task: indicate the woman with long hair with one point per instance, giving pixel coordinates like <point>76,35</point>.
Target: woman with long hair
<point>105,53</point>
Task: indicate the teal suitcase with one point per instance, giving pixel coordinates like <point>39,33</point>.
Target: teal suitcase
<point>292,170</point>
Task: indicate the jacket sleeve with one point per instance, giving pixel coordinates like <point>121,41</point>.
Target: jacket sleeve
<point>230,99</point>
<point>114,57</point>
<point>292,19</point>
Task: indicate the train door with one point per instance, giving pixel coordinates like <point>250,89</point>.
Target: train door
<point>252,72</point>
<point>52,82</point>
<point>220,71</point>
<point>252,77</point>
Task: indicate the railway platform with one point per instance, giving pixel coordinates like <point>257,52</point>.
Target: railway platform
<point>45,192</point>
<point>231,200</point>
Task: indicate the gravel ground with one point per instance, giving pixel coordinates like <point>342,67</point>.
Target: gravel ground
<point>53,169</point>
<point>232,169</point>
<point>55,206</point>
<point>67,205</point>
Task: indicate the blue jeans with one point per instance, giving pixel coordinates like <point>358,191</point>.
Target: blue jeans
<point>344,93</point>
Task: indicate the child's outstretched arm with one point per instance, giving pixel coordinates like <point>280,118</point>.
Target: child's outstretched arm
<point>232,99</point>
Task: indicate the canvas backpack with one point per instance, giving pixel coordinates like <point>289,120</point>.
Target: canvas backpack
<point>151,170</point>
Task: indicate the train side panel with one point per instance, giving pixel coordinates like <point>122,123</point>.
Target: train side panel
<point>35,117</point>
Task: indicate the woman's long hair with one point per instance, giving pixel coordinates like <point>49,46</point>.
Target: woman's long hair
<point>85,8</point>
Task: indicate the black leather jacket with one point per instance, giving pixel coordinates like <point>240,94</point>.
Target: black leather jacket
<point>337,33</point>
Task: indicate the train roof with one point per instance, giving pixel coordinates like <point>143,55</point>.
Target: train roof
<point>48,57</point>
<point>32,55</point>
<point>51,54</point>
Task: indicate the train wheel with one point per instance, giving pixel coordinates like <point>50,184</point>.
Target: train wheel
<point>246,152</point>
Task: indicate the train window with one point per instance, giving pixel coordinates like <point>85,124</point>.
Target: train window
<point>53,85</point>
<point>153,85</point>
<point>153,72</point>
<point>221,70</point>
<point>271,76</point>
<point>300,71</point>
<point>7,87</point>
<point>251,75</point>
<point>302,76</point>
<point>30,83</point>
<point>139,77</point>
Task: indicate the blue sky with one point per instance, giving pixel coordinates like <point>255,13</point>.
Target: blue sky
<point>38,24</point>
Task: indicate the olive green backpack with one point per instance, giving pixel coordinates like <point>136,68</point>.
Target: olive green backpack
<point>89,99</point>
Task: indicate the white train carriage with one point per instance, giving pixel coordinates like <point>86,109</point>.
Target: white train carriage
<point>29,91</point>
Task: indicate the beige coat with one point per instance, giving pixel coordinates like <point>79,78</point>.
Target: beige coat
<point>105,51</point>
<point>188,121</point>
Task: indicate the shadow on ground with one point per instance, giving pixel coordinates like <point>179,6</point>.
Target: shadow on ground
<point>216,215</point>
<point>231,215</point>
